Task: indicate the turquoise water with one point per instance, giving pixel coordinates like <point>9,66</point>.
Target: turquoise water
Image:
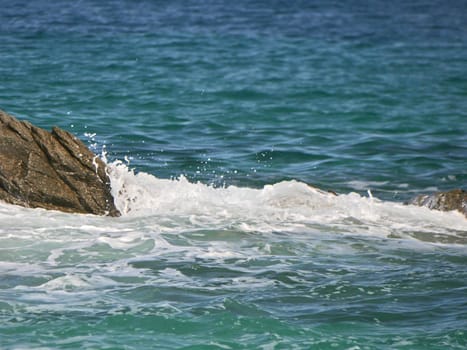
<point>213,117</point>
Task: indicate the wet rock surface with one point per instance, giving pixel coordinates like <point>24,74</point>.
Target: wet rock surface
<point>444,201</point>
<point>51,170</point>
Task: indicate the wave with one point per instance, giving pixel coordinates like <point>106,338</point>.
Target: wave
<point>151,206</point>
<point>287,205</point>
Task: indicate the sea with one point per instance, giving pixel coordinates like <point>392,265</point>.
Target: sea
<point>228,127</point>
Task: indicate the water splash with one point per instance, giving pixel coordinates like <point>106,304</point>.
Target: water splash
<point>287,205</point>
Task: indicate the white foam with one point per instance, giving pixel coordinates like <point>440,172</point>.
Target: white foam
<point>155,208</point>
<point>287,205</point>
<point>73,281</point>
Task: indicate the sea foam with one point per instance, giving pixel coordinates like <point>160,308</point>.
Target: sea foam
<point>287,205</point>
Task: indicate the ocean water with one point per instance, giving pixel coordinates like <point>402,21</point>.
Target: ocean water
<point>215,117</point>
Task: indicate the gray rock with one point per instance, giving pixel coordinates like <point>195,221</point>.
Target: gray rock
<point>51,170</point>
<point>444,201</point>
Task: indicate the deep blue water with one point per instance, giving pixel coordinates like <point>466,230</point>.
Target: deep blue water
<point>345,95</point>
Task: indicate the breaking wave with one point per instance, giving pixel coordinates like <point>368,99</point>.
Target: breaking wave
<point>283,206</point>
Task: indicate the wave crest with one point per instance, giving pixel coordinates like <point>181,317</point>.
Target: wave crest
<point>287,205</point>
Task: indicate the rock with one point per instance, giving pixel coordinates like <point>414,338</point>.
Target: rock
<point>444,201</point>
<point>51,170</point>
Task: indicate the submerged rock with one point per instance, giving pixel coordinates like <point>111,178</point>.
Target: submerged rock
<point>51,170</point>
<point>444,201</point>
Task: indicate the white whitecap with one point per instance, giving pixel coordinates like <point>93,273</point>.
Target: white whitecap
<point>286,205</point>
